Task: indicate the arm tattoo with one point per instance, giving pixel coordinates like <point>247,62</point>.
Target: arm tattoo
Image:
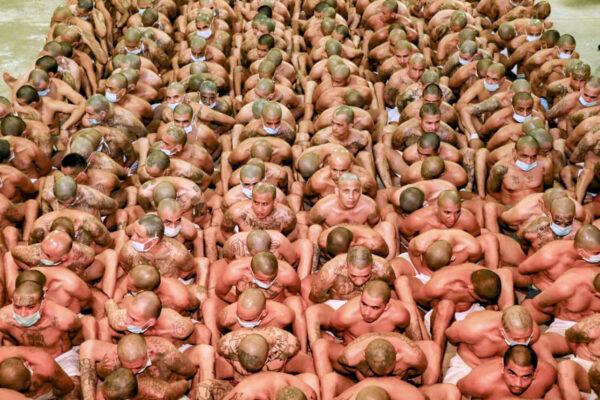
<point>88,379</point>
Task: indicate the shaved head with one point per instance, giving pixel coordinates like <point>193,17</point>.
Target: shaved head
<point>516,318</point>
<point>380,356</point>
<point>372,393</point>
<point>252,352</point>
<point>265,264</point>
<point>339,240</point>
<point>258,241</point>
<point>289,393</point>
<point>145,277</point>
<point>438,254</point>
<point>14,375</point>
<point>432,167</point>
<point>132,347</point>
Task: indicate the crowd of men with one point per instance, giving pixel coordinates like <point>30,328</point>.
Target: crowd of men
<point>301,200</point>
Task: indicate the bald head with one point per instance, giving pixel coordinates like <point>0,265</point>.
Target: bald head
<point>372,393</point>
<point>380,356</point>
<point>145,277</point>
<point>14,375</point>
<point>164,190</point>
<point>251,304</point>
<point>448,197</point>
<point>131,347</point>
<point>258,241</point>
<point>65,188</point>
<point>486,284</point>
<point>516,319</point>
<point>147,304</point>
<point>339,240</point>
<point>438,254</point>
<point>360,257</point>
<point>378,289</point>
<point>262,150</point>
<point>119,385</point>
<point>564,207</point>
<point>252,352</point>
<point>57,244</point>
<point>432,167</point>
<point>31,275</point>
<point>308,164</point>
<point>264,264</point>
<point>411,199</point>
<point>290,393</point>
<point>588,238</point>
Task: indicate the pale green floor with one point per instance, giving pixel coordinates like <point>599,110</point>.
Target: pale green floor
<point>23,25</point>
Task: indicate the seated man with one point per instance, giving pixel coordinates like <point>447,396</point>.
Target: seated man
<point>484,335</point>
<point>518,374</point>
<point>573,372</point>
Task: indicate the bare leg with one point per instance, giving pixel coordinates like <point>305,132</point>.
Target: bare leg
<point>299,325</point>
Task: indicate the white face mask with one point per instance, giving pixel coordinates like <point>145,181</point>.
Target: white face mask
<point>204,33</point>
<point>533,38</point>
<point>248,324</point>
<point>564,56</point>
<point>490,87</point>
<point>561,231</point>
<point>212,105</point>
<point>148,363</point>
<point>188,129</point>
<point>43,93</point>
<point>168,152</point>
<point>510,343</point>
<point>595,259</point>
<point>520,118</point>
<point>462,61</point>
<point>28,321</point>
<point>93,122</point>
<point>586,103</point>
<point>173,105</point>
<point>112,97</point>
<point>172,232</point>
<point>49,263</point>
<point>141,246</point>
<point>85,17</point>
<point>136,51</point>
<point>141,10</point>
<point>525,167</point>
<point>261,284</point>
<point>198,59</point>
<point>247,192</point>
<point>137,330</point>
<point>271,131</point>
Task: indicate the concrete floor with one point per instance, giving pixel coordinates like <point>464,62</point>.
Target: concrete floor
<point>23,25</point>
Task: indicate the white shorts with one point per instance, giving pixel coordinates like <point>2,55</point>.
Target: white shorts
<point>187,282</point>
<point>335,304</point>
<point>69,361</point>
<point>457,370</point>
<point>585,364</point>
<point>560,326</point>
<point>420,276</point>
<point>185,347</point>
<point>393,114</point>
<point>458,316</point>
<point>46,396</point>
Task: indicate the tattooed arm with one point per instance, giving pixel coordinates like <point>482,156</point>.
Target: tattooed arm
<point>99,201</point>
<point>212,389</point>
<point>322,282</point>
<point>157,389</point>
<point>117,318</point>
<point>88,378</point>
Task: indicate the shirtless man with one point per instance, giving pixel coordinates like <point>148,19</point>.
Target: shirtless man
<point>31,320</point>
<point>484,335</point>
<point>31,371</point>
<point>348,205</point>
<point>573,378</point>
<point>472,285</point>
<point>571,297</point>
<point>519,373</point>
